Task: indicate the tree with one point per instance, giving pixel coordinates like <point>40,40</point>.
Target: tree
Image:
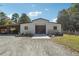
<point>69,18</point>
<point>15,17</point>
<point>2,17</point>
<point>63,19</point>
<point>4,20</point>
<point>24,19</point>
<point>7,22</point>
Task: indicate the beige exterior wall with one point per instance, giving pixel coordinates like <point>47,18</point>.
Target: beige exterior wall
<point>50,27</point>
<point>31,26</point>
<point>22,30</point>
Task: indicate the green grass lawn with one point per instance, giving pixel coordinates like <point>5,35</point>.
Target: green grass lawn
<point>71,41</point>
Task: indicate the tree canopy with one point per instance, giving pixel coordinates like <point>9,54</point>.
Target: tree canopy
<point>15,19</point>
<point>24,19</point>
<point>69,18</point>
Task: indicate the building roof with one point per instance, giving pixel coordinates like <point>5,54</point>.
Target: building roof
<point>40,19</point>
<point>43,19</point>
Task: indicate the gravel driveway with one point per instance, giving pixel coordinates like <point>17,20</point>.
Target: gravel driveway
<point>19,46</point>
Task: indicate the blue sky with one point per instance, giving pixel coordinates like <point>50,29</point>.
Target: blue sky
<point>42,10</point>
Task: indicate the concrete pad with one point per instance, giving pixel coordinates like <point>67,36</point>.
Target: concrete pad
<point>41,37</point>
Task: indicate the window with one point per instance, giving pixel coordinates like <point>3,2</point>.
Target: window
<point>55,27</point>
<point>26,27</point>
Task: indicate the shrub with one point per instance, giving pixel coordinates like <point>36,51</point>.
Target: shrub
<point>28,34</point>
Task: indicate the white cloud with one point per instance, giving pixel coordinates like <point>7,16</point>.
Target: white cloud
<point>10,15</point>
<point>46,9</point>
<point>35,13</point>
<point>54,20</point>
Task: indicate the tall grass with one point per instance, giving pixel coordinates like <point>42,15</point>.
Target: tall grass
<point>71,41</point>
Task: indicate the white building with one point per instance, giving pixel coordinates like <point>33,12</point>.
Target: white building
<point>40,26</point>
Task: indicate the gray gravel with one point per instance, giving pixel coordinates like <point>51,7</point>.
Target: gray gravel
<point>25,46</point>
